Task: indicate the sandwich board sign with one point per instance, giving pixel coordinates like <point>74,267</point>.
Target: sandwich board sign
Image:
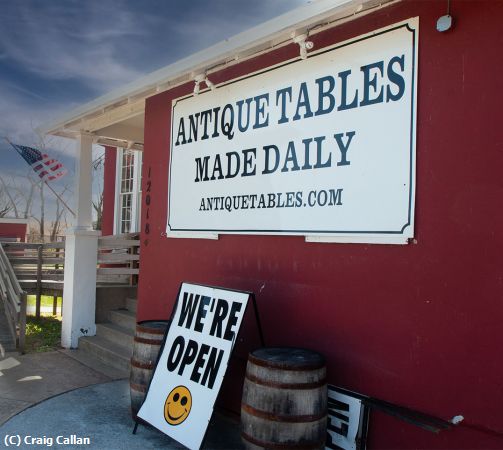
<point>193,361</point>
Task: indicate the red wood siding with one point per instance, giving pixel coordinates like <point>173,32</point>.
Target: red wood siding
<point>418,325</point>
<point>13,230</point>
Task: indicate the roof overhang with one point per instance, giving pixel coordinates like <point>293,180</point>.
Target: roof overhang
<point>117,118</point>
<point>15,221</point>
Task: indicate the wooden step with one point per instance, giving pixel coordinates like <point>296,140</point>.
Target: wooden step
<point>111,349</point>
<point>116,334</point>
<point>90,360</point>
<point>123,318</point>
<point>131,304</point>
<point>106,351</point>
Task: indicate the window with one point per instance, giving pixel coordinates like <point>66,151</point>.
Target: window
<point>128,191</point>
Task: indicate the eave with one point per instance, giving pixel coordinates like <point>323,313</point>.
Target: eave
<point>109,117</point>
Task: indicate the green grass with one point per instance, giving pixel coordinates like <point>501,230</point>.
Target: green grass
<point>46,300</point>
<point>43,334</point>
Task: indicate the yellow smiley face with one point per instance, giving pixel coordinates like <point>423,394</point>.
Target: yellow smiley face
<point>178,405</point>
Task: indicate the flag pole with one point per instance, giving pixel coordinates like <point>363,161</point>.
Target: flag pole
<point>60,199</point>
<point>50,187</point>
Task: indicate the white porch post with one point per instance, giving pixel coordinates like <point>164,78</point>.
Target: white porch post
<point>79,291</point>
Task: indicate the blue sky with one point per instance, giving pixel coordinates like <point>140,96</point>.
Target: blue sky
<point>58,54</point>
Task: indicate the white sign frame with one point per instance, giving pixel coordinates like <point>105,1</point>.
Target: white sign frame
<point>161,408</point>
<point>380,213</point>
<point>355,422</point>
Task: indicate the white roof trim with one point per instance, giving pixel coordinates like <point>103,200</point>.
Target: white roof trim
<point>14,220</point>
<point>281,27</point>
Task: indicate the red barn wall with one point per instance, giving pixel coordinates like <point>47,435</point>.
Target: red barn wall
<point>13,230</point>
<point>420,324</point>
<point>107,225</point>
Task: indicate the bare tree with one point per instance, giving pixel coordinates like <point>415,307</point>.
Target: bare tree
<point>98,166</point>
<point>29,199</point>
<point>98,208</point>
<point>39,218</point>
<point>17,198</point>
<point>20,200</point>
<point>59,215</point>
<point>7,201</point>
<point>4,210</point>
<point>24,196</point>
<point>55,225</point>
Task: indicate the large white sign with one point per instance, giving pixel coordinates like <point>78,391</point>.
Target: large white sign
<point>193,362</point>
<point>316,147</point>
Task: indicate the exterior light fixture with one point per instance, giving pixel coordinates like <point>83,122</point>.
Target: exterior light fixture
<point>304,44</point>
<point>444,23</point>
<point>198,79</point>
<point>209,84</point>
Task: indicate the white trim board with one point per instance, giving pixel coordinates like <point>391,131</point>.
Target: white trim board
<point>14,221</point>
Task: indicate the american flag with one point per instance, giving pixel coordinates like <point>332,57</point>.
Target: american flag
<point>47,168</point>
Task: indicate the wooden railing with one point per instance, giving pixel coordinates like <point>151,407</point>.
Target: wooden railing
<point>14,300</point>
<point>38,267</point>
<point>118,259</point>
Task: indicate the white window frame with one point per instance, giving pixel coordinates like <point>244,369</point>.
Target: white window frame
<point>136,192</point>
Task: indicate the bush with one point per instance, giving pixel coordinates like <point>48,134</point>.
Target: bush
<point>43,334</point>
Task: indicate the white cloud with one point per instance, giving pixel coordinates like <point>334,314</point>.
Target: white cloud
<point>20,117</point>
<point>65,43</point>
<point>96,46</point>
<point>199,31</point>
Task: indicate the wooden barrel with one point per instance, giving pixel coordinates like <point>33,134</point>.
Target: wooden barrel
<point>284,404</point>
<point>146,345</point>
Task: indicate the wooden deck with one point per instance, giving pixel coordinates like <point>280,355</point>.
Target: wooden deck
<point>39,267</point>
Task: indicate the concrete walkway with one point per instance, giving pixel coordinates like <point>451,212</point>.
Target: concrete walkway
<point>101,413</point>
<point>26,380</point>
<point>42,394</point>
